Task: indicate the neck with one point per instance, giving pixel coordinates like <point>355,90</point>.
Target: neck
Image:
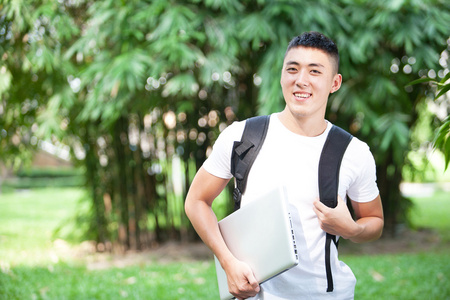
<point>302,125</point>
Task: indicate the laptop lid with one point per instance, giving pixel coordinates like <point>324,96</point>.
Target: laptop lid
<point>260,234</point>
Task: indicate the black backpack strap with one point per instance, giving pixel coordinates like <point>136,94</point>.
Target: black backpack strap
<point>245,152</point>
<point>329,166</point>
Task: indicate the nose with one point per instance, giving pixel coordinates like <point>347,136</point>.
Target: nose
<point>302,79</point>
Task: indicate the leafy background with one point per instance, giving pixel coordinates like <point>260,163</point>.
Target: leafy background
<point>139,90</point>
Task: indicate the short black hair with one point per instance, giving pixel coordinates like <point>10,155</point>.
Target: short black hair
<point>316,40</point>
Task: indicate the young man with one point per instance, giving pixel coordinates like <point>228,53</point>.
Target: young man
<point>290,157</point>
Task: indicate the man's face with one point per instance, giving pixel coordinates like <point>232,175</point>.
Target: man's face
<point>307,78</point>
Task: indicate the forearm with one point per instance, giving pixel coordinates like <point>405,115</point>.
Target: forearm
<point>369,221</point>
<point>366,229</point>
<point>204,189</point>
<point>240,278</point>
<point>204,221</point>
<point>338,221</point>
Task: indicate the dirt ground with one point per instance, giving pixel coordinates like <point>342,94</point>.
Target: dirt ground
<point>407,242</point>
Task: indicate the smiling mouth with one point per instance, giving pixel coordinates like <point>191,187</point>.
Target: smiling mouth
<point>302,96</point>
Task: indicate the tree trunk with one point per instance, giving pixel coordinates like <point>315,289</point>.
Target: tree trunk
<point>395,206</point>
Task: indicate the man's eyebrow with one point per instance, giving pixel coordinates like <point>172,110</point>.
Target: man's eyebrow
<point>293,62</point>
<point>316,65</point>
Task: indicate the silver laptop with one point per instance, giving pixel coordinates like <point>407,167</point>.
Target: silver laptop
<point>260,234</point>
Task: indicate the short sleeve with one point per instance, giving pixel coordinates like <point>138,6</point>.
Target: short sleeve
<point>364,186</point>
<point>219,161</point>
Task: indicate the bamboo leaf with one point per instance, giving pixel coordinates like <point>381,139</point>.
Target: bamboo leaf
<point>421,80</point>
<point>446,77</point>
<point>442,141</point>
<point>447,154</point>
<point>181,85</point>
<point>255,28</point>
<point>443,90</point>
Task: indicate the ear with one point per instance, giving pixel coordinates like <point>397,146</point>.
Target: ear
<point>337,81</point>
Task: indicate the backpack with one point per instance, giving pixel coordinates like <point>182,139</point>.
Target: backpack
<point>246,150</point>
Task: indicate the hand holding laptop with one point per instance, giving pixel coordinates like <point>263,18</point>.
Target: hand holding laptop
<point>241,280</point>
<point>260,237</point>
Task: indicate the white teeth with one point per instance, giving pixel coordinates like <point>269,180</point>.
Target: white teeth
<point>302,95</point>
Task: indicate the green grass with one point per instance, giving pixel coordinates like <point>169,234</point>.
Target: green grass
<point>28,220</point>
<point>402,276</point>
<point>63,281</point>
<point>423,275</point>
<point>433,212</point>
<point>30,268</point>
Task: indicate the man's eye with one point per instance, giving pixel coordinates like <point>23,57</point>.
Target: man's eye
<point>316,72</point>
<point>291,69</point>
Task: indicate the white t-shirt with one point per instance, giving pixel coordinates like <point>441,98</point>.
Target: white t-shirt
<point>291,160</point>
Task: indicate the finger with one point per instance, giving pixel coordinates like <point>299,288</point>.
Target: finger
<point>244,294</point>
<point>319,206</point>
<point>253,283</point>
<point>318,212</point>
<point>316,204</point>
<point>249,287</point>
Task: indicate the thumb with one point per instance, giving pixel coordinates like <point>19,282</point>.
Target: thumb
<point>340,200</point>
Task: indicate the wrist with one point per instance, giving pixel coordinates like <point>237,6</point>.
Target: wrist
<point>226,260</point>
<point>356,231</point>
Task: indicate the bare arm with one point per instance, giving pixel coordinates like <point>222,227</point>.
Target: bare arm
<point>204,189</point>
<point>370,220</point>
<point>367,227</point>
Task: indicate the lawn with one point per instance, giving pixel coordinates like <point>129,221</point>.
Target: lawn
<point>32,268</point>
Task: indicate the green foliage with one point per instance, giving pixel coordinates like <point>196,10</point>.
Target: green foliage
<point>32,37</point>
<point>132,85</point>
<point>44,177</point>
<point>49,172</point>
<point>41,182</point>
<point>442,140</point>
<point>442,137</point>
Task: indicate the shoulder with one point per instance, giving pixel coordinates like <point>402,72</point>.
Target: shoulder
<point>358,156</point>
<point>218,162</point>
<point>233,131</point>
<point>358,159</point>
<point>358,148</point>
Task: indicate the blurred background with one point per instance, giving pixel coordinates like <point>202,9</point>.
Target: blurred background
<point>108,109</point>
